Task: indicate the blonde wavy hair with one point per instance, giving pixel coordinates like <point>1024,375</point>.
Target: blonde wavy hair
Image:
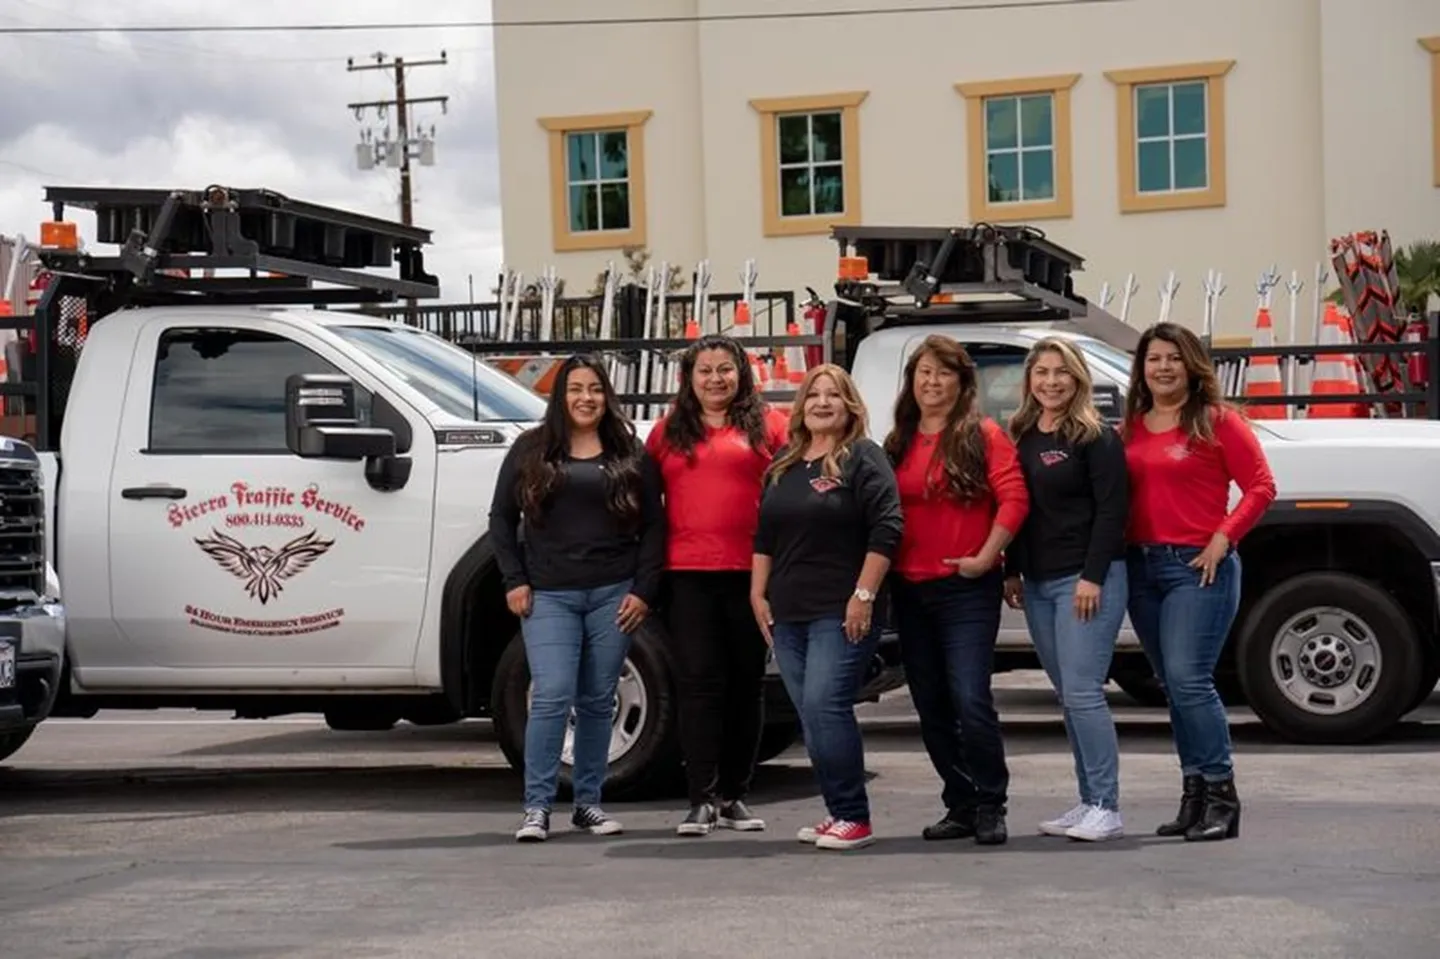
<point>799,436</point>
<point>1080,421</point>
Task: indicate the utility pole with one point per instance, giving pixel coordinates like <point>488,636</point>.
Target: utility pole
<point>406,144</point>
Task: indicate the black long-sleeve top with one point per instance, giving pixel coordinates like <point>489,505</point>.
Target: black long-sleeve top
<point>1079,502</point>
<point>580,543</point>
<point>817,532</point>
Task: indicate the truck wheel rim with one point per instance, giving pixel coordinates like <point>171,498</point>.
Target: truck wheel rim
<point>1326,660</point>
<point>629,709</point>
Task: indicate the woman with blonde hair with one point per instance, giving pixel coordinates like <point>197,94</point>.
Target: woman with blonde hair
<point>829,522</point>
<point>1066,568</point>
<point>1184,447</point>
<point>964,500</point>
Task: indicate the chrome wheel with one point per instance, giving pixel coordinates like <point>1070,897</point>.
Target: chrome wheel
<point>1326,660</point>
<point>629,710</point>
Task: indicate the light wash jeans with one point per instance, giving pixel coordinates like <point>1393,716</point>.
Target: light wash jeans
<point>575,652</point>
<point>1076,656</point>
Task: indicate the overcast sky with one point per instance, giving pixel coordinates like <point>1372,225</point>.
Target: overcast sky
<point>262,110</point>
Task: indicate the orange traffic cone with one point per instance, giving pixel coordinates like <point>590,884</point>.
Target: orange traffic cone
<point>1335,374</point>
<point>1262,374</point>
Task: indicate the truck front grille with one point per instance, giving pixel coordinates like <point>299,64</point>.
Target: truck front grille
<point>22,534</point>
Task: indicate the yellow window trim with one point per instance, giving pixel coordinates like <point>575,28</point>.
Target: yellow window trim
<point>1125,81</point>
<point>773,224</point>
<point>1432,44</point>
<point>975,94</point>
<point>563,239</point>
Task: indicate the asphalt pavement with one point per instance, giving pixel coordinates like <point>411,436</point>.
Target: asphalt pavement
<point>177,834</point>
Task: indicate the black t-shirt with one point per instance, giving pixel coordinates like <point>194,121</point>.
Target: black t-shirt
<point>579,544</point>
<point>817,531</point>
<point>1079,503</point>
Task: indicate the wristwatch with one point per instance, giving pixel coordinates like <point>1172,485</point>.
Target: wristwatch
<point>864,595</point>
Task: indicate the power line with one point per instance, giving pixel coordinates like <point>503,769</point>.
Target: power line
<point>406,144</point>
<point>577,22</point>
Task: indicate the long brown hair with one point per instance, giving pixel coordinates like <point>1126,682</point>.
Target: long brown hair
<point>684,428</point>
<point>1204,397</point>
<point>961,449</point>
<point>799,433</point>
<point>1080,421</point>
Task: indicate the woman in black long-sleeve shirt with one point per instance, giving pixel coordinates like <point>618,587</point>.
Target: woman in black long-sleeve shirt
<point>1070,556</point>
<point>587,574</point>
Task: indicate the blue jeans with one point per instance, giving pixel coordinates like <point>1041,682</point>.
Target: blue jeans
<point>947,630</point>
<point>1183,628</point>
<point>1076,656</point>
<point>823,672</point>
<point>575,652</point>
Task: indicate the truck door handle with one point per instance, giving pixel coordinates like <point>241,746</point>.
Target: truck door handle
<point>153,492</point>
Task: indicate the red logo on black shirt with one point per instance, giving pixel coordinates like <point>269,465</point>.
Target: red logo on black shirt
<point>1054,457</point>
<point>824,484</point>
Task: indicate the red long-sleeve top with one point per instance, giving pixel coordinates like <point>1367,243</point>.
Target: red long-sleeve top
<point>712,503</point>
<point>937,525</point>
<point>1180,488</point>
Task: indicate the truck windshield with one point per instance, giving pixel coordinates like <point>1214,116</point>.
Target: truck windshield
<point>446,374</point>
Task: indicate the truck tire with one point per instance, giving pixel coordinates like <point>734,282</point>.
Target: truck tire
<point>1329,659</point>
<point>1137,680</point>
<point>644,744</point>
<point>11,741</point>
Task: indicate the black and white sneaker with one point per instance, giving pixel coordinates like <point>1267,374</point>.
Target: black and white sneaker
<point>700,822</point>
<point>736,815</point>
<point>535,827</point>
<point>593,820</point>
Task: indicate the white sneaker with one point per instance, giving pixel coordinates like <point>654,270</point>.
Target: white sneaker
<point>1062,825</point>
<point>1098,826</point>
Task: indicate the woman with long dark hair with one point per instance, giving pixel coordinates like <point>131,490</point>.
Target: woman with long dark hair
<point>829,522</point>
<point>713,448</point>
<point>1066,568</point>
<point>1184,447</point>
<point>587,497</point>
<point>964,499</point>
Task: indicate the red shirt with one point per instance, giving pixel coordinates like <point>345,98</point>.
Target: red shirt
<point>1180,488</point>
<point>940,527</point>
<point>713,502</point>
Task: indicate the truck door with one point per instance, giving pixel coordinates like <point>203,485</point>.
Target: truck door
<point>235,563</point>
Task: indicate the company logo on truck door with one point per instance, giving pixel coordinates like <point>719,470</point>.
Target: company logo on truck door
<point>246,506</point>
<point>262,568</point>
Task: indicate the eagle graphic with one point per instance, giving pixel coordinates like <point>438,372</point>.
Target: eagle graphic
<point>262,567</point>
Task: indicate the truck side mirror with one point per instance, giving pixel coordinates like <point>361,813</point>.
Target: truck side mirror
<point>321,423</point>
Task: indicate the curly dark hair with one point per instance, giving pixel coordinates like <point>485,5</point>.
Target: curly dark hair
<point>962,446</point>
<point>546,446</point>
<point>684,427</point>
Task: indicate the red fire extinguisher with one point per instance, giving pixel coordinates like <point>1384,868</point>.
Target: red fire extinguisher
<point>814,316</point>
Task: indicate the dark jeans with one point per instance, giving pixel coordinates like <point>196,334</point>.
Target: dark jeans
<point>1183,627</point>
<point>947,633</point>
<point>720,657</point>
<point>823,672</point>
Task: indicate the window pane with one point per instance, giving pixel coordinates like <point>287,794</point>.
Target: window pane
<point>830,188</point>
<point>225,389</point>
<point>794,137</point>
<point>1189,108</point>
<point>1152,111</point>
<point>825,138</point>
<point>614,155</point>
<point>1190,164</point>
<point>1154,168</point>
<point>1000,123</point>
<point>1004,177</point>
<point>1037,174</point>
<point>795,192</point>
<point>581,150</point>
<point>615,206</point>
<point>584,209</point>
<point>1036,121</point>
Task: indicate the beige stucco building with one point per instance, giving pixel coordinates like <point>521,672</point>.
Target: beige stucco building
<point>1146,135</point>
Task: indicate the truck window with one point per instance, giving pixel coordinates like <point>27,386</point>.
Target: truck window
<point>1001,373</point>
<point>224,390</point>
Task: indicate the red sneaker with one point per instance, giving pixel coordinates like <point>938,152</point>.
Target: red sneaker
<point>846,835</point>
<point>813,833</point>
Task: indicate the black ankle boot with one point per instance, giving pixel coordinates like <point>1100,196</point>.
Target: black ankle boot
<point>1221,818</point>
<point>1192,805</point>
<point>990,826</point>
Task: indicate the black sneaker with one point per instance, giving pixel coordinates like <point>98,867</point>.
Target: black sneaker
<point>990,826</point>
<point>535,827</point>
<point>959,824</point>
<point>700,822</point>
<point>593,820</point>
<point>734,814</point>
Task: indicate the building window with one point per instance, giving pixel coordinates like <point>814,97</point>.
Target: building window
<point>810,162</point>
<point>1018,148</point>
<point>597,180</point>
<point>1170,136</point>
<point>1432,44</point>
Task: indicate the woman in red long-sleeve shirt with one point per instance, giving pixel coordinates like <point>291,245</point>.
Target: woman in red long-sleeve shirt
<point>1184,446</point>
<point>964,498</point>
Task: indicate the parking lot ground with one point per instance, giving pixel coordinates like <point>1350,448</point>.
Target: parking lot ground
<point>185,835</point>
